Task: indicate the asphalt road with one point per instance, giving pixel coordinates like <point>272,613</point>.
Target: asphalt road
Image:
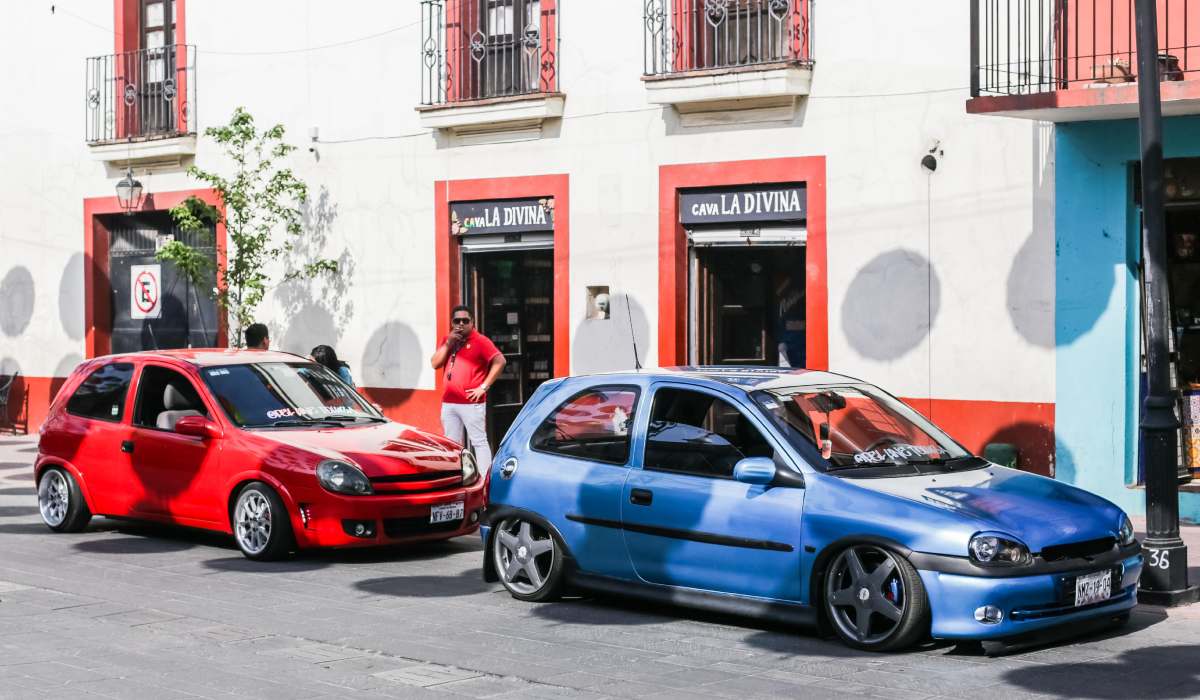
<point>126,610</point>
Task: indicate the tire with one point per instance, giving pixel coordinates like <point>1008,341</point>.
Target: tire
<point>261,524</point>
<point>529,560</point>
<point>61,502</point>
<point>873,585</point>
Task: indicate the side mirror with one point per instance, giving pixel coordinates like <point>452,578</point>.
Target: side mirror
<point>755,470</point>
<point>198,426</point>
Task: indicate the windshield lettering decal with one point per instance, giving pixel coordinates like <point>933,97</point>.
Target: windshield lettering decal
<point>310,411</point>
<point>895,452</point>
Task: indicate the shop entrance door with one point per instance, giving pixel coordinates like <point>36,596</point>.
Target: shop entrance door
<point>174,313</point>
<point>748,305</point>
<point>510,293</point>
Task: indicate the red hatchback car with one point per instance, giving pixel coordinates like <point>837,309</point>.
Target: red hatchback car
<point>267,446</point>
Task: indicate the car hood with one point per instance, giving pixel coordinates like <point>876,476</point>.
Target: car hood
<point>1041,512</point>
<point>384,449</point>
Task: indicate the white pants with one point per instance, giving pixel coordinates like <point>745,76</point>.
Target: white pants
<point>471,417</point>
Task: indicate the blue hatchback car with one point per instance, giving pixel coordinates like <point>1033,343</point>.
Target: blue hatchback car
<point>797,495</point>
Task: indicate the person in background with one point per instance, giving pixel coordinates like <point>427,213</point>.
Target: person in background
<point>324,355</point>
<point>257,337</point>
<point>472,364</point>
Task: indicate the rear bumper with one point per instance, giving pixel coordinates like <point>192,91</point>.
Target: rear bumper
<point>331,521</point>
<point>1029,603</point>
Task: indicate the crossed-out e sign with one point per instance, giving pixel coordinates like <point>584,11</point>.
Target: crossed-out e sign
<point>145,287</point>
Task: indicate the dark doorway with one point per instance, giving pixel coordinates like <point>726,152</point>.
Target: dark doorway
<point>511,296</point>
<point>749,305</point>
<point>186,315</point>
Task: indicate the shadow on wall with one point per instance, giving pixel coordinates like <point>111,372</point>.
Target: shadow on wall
<point>1037,449</point>
<point>315,311</point>
<point>890,305</point>
<point>70,298</point>
<point>393,357</point>
<point>16,301</point>
<point>606,346</point>
<point>1030,303</point>
<point>65,366</point>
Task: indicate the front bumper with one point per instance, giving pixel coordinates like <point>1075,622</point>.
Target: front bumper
<point>1029,603</point>
<point>332,520</point>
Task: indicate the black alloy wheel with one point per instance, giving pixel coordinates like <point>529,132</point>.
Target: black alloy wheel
<point>875,599</point>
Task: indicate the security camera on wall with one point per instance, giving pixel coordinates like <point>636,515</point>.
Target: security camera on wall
<point>599,304</point>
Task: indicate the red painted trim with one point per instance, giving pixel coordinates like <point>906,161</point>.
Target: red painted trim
<point>449,262</point>
<point>672,242</point>
<point>1029,426</point>
<point>97,314</point>
<point>975,424</point>
<point>1083,98</point>
<point>421,408</point>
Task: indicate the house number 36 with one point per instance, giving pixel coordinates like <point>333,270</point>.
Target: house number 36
<point>1160,559</point>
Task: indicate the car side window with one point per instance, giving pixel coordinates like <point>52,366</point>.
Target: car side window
<point>102,395</point>
<point>593,425</point>
<point>700,434</point>
<point>163,397</point>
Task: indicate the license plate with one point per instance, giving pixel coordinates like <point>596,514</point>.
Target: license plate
<point>1093,588</point>
<point>446,512</point>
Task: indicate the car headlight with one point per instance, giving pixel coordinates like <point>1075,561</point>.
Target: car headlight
<point>989,549</point>
<point>470,468</point>
<point>1125,534</point>
<point>342,477</point>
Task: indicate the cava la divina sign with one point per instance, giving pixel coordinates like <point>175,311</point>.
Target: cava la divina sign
<point>506,216</point>
<point>753,203</point>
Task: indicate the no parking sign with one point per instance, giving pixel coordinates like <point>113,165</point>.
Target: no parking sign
<point>145,287</point>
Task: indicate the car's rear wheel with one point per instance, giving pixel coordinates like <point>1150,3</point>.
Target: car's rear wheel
<point>875,599</point>
<point>261,524</point>
<point>61,502</point>
<point>528,559</point>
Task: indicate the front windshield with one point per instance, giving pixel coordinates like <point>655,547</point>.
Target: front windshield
<point>278,394</point>
<point>858,426</point>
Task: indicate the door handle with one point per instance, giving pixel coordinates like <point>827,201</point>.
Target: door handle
<point>641,497</point>
<point>127,445</point>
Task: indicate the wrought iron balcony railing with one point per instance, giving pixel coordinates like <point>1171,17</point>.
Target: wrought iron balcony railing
<point>694,35</point>
<point>1021,47</point>
<point>480,49</point>
<point>145,94</point>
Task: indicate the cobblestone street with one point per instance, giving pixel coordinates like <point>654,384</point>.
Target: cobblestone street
<point>127,610</point>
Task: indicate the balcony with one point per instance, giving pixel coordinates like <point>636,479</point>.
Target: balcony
<point>489,68</point>
<point>1076,60</point>
<point>717,61</point>
<point>140,105</point>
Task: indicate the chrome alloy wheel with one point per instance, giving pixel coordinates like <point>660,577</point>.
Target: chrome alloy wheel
<point>865,593</point>
<point>524,555</point>
<point>252,521</point>
<point>54,498</point>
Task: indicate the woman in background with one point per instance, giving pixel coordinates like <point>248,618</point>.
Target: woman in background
<point>324,355</point>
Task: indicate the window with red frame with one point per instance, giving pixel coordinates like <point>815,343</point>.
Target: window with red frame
<point>496,48</point>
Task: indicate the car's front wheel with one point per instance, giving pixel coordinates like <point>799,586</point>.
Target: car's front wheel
<point>61,502</point>
<point>261,524</point>
<point>875,599</point>
<point>529,560</point>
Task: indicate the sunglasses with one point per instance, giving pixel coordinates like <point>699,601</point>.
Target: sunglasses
<point>460,321</point>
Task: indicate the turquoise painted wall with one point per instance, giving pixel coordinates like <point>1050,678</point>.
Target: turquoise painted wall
<point>1097,305</point>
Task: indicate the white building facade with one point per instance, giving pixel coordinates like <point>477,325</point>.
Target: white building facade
<point>706,182</point>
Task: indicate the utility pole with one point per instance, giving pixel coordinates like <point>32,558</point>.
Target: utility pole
<point>1164,575</point>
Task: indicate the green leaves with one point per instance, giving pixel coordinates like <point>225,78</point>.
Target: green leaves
<point>261,216</point>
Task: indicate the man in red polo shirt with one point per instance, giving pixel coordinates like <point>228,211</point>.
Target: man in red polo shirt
<point>472,364</point>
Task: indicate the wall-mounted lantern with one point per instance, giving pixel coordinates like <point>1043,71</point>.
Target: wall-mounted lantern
<point>129,192</point>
